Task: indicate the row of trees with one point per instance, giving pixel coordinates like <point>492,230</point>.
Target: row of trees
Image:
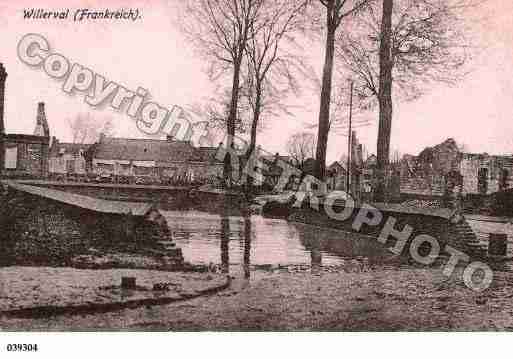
<point>388,49</point>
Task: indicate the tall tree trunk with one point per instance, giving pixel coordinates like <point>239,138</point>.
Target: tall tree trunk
<point>385,98</point>
<point>230,124</point>
<point>324,110</point>
<point>256,118</point>
<point>250,156</point>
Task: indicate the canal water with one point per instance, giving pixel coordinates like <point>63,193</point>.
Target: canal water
<point>239,242</point>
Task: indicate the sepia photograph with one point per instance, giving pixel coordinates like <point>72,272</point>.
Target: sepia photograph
<point>254,166</point>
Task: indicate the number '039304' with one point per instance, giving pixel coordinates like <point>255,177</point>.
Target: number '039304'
<point>22,347</point>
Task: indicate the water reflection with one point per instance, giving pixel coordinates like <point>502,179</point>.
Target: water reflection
<point>316,258</point>
<point>238,241</point>
<point>225,239</point>
<point>247,244</point>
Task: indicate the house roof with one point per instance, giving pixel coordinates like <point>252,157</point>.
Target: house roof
<point>143,150</point>
<point>336,167</point>
<point>24,138</point>
<point>161,151</point>
<point>58,148</point>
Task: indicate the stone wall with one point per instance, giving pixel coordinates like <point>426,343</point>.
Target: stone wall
<point>39,231</point>
<point>448,230</point>
<point>31,158</point>
<point>203,171</point>
<point>423,187</point>
<point>494,165</point>
<point>132,193</point>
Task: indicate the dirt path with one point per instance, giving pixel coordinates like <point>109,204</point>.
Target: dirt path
<point>405,299</point>
<point>38,291</point>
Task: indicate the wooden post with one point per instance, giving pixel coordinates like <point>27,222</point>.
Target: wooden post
<point>128,283</point>
<point>497,244</point>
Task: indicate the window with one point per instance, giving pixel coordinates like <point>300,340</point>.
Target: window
<point>482,180</point>
<point>143,171</point>
<point>124,169</point>
<point>70,166</point>
<point>11,157</point>
<point>105,167</point>
<point>503,181</point>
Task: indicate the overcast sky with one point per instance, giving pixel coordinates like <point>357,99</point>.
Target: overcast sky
<point>151,53</point>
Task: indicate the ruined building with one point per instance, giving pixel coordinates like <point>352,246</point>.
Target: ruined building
<point>23,155</point>
<point>435,168</point>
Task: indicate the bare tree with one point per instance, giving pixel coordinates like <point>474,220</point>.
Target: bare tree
<point>301,146</point>
<point>413,44</point>
<point>334,11</point>
<point>220,30</point>
<point>428,44</point>
<point>216,109</point>
<point>339,108</point>
<point>272,67</point>
<point>86,129</point>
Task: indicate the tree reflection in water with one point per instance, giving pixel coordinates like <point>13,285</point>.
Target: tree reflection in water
<point>247,243</point>
<point>315,256</point>
<point>225,237</point>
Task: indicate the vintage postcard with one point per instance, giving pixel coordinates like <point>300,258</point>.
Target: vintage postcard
<point>255,165</point>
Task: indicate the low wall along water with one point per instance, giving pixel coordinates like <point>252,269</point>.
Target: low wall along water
<point>442,224</point>
<point>42,226</point>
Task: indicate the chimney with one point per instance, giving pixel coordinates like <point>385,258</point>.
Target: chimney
<point>41,123</point>
<point>102,138</point>
<point>3,76</point>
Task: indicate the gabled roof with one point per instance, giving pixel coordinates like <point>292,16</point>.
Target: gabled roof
<point>160,151</point>
<point>336,168</point>
<point>143,150</point>
<point>336,165</point>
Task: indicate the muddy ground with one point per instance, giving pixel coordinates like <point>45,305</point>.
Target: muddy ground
<point>378,300</point>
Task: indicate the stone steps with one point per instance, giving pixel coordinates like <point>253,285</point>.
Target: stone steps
<point>470,241</point>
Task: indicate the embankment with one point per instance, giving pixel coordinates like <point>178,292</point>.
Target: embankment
<point>48,227</point>
<point>445,225</point>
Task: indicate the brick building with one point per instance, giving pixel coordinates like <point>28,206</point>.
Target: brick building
<point>23,155</point>
<point>153,159</point>
<point>67,158</point>
<point>336,177</point>
<point>486,174</point>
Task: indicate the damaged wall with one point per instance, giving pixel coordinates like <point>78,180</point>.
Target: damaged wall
<point>425,174</point>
